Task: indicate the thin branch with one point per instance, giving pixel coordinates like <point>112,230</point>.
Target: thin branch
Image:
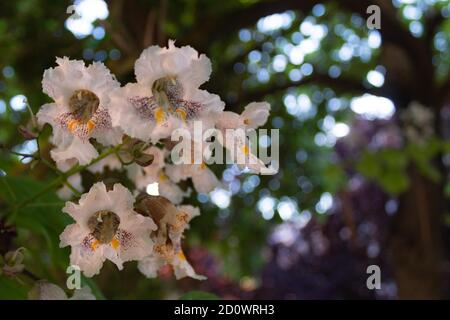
<point>341,84</point>
<point>149,28</point>
<point>60,180</point>
<point>161,36</point>
<point>212,28</point>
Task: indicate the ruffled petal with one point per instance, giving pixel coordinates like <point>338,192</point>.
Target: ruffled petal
<point>150,265</point>
<point>110,137</point>
<point>74,148</point>
<point>205,180</point>
<point>212,104</point>
<point>156,62</point>
<point>60,82</point>
<point>180,172</point>
<point>172,191</point>
<point>229,120</point>
<point>72,235</point>
<point>48,114</point>
<point>90,262</point>
<point>95,200</point>
<point>182,268</point>
<point>256,114</point>
<point>124,114</point>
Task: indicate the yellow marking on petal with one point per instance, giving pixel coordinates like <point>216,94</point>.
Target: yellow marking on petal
<point>95,245</point>
<point>247,121</point>
<point>90,125</point>
<point>159,115</point>
<point>73,124</point>
<point>245,150</point>
<point>181,256</point>
<point>115,243</point>
<point>162,177</point>
<point>203,166</point>
<point>181,113</point>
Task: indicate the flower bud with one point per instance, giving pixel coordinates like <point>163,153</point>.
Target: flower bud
<point>144,159</point>
<point>155,207</point>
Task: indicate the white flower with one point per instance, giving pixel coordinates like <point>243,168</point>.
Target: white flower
<point>254,116</point>
<point>106,227</point>
<point>80,110</point>
<point>190,162</point>
<point>166,95</point>
<point>240,149</point>
<point>167,249</point>
<point>44,290</point>
<point>234,129</point>
<point>203,179</point>
<point>171,190</point>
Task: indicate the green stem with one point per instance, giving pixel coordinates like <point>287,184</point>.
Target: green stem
<point>63,177</point>
<point>60,173</point>
<point>25,155</point>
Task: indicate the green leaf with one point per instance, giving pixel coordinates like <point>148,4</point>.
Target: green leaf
<point>11,289</point>
<point>43,217</point>
<point>335,177</point>
<point>368,165</point>
<point>392,158</point>
<point>199,295</point>
<point>387,168</point>
<point>394,182</point>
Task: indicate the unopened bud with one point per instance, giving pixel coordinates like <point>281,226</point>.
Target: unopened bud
<point>144,159</point>
<point>155,207</point>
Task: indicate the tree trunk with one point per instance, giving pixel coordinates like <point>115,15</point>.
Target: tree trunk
<point>415,239</point>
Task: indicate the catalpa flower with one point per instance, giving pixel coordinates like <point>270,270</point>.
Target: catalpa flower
<point>106,227</point>
<point>240,148</point>
<point>203,179</point>
<point>172,222</point>
<point>170,190</point>
<point>80,109</point>
<point>254,116</point>
<point>166,94</point>
<point>234,128</point>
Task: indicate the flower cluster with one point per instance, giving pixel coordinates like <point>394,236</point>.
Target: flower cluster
<point>91,112</point>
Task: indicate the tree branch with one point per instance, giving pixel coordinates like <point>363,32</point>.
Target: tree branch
<point>339,85</point>
<point>211,28</point>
